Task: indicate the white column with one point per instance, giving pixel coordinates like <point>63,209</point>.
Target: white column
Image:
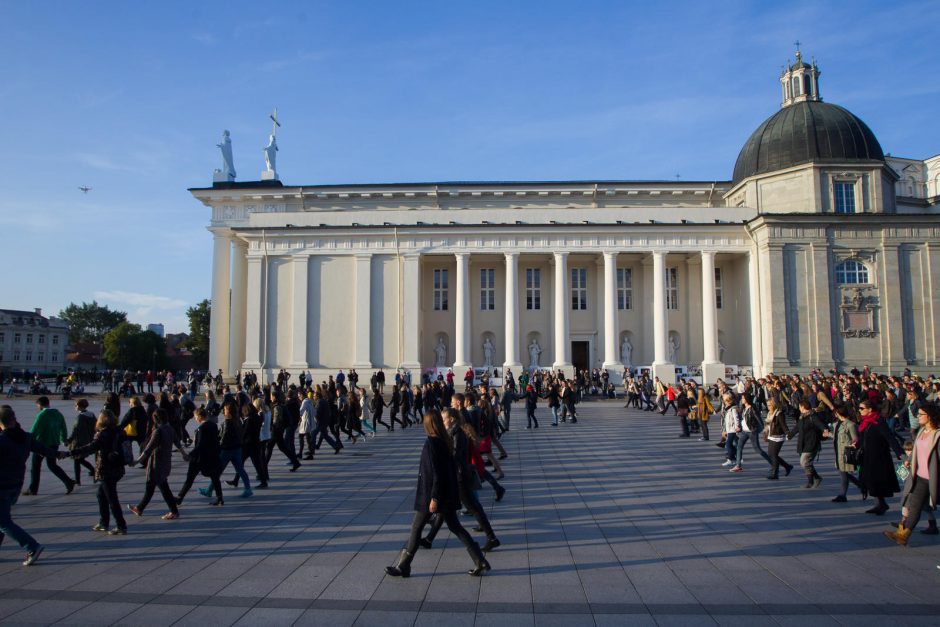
<point>711,368</point>
<point>361,327</point>
<point>659,308</point>
<point>662,368</point>
<point>298,354</point>
<point>411,318</point>
<point>254,332</point>
<point>236,351</point>
<point>562,347</point>
<point>461,339</point>
<point>219,322</point>
<point>611,328</point>
<point>753,286</point>
<point>512,314</point>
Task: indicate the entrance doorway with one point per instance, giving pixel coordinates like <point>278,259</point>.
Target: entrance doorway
<point>580,353</point>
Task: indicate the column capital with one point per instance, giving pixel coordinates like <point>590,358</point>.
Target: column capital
<point>709,253</point>
<point>462,255</point>
<point>365,255</point>
<point>220,231</point>
<point>509,256</point>
<point>610,254</point>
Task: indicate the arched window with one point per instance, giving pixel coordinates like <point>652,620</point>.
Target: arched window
<point>806,86</point>
<point>796,86</point>
<point>851,271</point>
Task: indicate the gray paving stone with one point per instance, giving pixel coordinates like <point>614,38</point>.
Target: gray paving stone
<point>273,617</point>
<point>155,614</point>
<point>45,612</point>
<point>96,614</point>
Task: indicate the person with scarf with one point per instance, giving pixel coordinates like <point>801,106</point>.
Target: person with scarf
<point>922,488</point>
<point>877,475</point>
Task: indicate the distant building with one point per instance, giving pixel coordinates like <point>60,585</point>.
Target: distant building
<point>157,328</point>
<point>29,341</point>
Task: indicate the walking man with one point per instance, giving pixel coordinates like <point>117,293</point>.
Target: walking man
<point>15,447</point>
<point>49,430</point>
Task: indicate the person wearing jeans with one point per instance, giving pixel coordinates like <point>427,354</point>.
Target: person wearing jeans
<point>776,436</point>
<point>15,448</point>
<point>750,430</point>
<point>731,426</point>
<point>809,431</point>
<point>230,437</point>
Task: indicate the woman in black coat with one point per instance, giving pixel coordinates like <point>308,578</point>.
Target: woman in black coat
<point>437,493</point>
<point>204,457</point>
<point>531,401</point>
<point>877,474</point>
<point>109,469</point>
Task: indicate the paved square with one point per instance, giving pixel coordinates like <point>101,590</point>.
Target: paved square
<point>611,521</point>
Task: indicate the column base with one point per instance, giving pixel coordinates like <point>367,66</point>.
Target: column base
<point>613,366</point>
<point>301,366</point>
<point>361,364</point>
<point>712,372</point>
<point>411,366</point>
<point>251,365</point>
<point>460,367</point>
<point>513,366</point>
<point>566,368</point>
<point>665,372</point>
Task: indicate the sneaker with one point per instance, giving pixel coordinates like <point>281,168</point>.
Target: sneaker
<point>33,555</point>
<point>205,491</point>
<point>727,463</point>
<point>736,469</point>
<point>703,439</point>
<point>170,516</point>
<point>840,499</point>
<point>246,493</point>
<point>99,527</point>
<point>118,531</point>
<point>136,511</point>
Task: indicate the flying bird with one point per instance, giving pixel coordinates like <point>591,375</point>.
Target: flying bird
<point>85,189</point>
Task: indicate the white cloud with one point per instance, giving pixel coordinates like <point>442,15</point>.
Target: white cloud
<point>142,306</point>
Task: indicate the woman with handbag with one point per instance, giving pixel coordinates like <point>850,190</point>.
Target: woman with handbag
<point>845,442</point>
<point>704,409</point>
<point>922,488</point>
<point>776,434</point>
<point>109,469</point>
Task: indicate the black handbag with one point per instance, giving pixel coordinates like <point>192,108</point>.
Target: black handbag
<point>852,456</point>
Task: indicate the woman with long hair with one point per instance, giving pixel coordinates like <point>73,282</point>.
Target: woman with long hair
<point>437,493</point>
<point>922,489</point>
<point>776,433</point>
<point>158,457</point>
<point>109,469</point>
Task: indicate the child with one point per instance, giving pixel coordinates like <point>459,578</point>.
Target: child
<point>904,471</point>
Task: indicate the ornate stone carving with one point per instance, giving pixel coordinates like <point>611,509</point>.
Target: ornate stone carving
<point>858,314</point>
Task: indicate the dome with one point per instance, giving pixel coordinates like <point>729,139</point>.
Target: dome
<point>806,132</point>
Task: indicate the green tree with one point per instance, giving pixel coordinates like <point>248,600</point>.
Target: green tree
<point>198,342</point>
<point>90,322</point>
<point>129,346</point>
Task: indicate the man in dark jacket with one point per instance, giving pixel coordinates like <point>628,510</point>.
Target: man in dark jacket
<point>15,448</point>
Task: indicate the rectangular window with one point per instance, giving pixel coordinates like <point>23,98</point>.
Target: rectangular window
<point>55,356</point>
<point>487,289</point>
<point>55,340</point>
<point>533,289</point>
<point>844,197</point>
<point>29,356</point>
<point>3,337</point>
<point>16,338</point>
<point>16,355</point>
<point>42,339</point>
<point>672,288</point>
<point>440,290</point>
<point>717,288</point>
<point>29,338</point>
<point>40,357</point>
<point>579,288</point>
<point>624,288</point>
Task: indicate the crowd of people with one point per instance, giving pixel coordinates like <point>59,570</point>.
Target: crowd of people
<point>883,430</point>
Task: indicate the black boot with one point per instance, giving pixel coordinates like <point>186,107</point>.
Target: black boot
<point>480,563</point>
<point>402,567</point>
<point>491,543</point>
<point>931,529</point>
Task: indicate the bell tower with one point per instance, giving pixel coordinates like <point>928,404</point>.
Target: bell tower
<point>799,82</point>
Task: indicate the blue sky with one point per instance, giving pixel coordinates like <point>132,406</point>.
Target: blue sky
<point>131,99</point>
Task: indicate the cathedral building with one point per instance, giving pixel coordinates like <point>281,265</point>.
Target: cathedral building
<point>820,252</point>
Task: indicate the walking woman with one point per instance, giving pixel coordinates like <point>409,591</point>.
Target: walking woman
<point>877,475</point>
<point>109,469</point>
<point>354,416</point>
<point>364,407</point>
<point>134,422</point>
<point>845,439</point>
<point>704,410</point>
<point>204,458</point>
<point>394,407</point>
<point>437,493</point>
<point>922,489</point>
<point>531,402</point>
<point>158,457</point>
<point>83,432</point>
<point>776,430</point>
<point>377,405</point>
<point>230,442</point>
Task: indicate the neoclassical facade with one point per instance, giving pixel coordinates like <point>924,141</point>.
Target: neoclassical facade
<point>820,252</point>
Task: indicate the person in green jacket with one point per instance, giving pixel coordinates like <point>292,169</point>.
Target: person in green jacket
<point>49,430</point>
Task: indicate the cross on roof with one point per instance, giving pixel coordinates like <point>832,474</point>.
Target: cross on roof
<point>273,117</point>
<point>797,44</point>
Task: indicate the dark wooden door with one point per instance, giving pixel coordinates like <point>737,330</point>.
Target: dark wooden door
<point>580,352</point>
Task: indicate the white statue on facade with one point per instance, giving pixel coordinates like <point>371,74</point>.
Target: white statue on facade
<point>534,351</point>
<point>227,172</point>
<point>440,352</point>
<point>626,351</point>
<point>270,151</point>
<point>673,348</point>
<point>488,349</point>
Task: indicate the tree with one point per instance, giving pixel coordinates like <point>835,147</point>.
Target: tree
<point>129,346</point>
<point>198,342</point>
<point>89,322</point>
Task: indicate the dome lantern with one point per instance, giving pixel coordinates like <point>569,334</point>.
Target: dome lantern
<point>799,82</point>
